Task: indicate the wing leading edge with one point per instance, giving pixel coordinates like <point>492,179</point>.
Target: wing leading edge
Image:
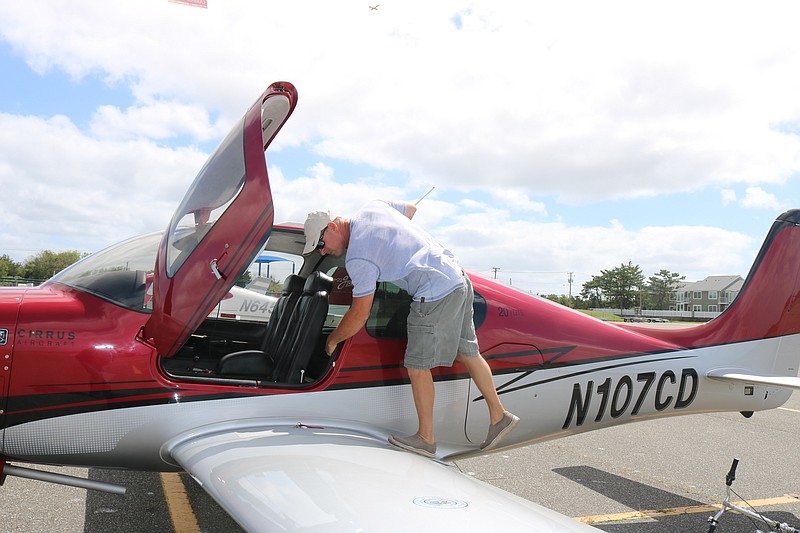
<point>301,478</point>
<point>786,382</point>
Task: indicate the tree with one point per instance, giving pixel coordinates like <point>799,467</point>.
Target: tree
<point>562,299</point>
<point>626,282</point>
<point>592,293</point>
<point>48,263</point>
<point>275,287</point>
<point>617,288</point>
<point>244,279</point>
<point>8,267</point>
<point>661,286</point>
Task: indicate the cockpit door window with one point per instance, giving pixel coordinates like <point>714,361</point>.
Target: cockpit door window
<point>219,227</point>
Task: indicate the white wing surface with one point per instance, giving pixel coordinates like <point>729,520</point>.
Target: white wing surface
<point>786,382</point>
<point>311,479</point>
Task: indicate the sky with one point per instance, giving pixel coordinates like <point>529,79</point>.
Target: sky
<point>560,137</point>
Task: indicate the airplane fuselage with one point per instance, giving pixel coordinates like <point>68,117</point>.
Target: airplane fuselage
<point>81,387</point>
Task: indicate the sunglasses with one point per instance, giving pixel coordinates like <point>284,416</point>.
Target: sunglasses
<point>321,241</point>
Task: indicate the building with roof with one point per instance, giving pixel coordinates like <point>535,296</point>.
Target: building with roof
<point>712,294</point>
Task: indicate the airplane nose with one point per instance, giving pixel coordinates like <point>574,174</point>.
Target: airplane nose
<point>10,303</point>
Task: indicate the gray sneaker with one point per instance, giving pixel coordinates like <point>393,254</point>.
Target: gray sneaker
<point>414,443</point>
<point>498,431</point>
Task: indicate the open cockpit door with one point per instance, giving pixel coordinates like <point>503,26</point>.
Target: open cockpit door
<point>219,227</point>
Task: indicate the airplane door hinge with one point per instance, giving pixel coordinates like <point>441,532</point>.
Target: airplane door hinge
<point>144,340</point>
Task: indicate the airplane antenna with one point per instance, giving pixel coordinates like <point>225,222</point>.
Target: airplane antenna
<point>424,195</point>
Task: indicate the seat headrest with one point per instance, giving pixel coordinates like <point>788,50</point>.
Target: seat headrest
<point>318,282</point>
<point>293,284</point>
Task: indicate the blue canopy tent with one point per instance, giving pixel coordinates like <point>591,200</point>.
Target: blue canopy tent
<point>267,259</point>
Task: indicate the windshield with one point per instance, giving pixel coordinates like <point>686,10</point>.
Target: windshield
<point>118,273</point>
<point>214,189</point>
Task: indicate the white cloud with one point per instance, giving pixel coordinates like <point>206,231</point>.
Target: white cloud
<point>294,198</point>
<point>534,256</point>
<point>728,196</point>
<point>567,104</point>
<point>159,120</point>
<point>516,199</point>
<point>512,101</point>
<point>71,191</point>
<point>753,198</point>
<point>758,198</point>
<point>537,256</point>
<point>321,171</point>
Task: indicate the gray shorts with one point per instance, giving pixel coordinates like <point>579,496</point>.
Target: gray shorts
<point>439,330</point>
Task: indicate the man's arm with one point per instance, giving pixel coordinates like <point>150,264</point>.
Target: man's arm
<point>352,321</point>
<point>410,210</point>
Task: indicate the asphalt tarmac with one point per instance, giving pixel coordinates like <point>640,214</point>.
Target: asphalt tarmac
<point>650,477</point>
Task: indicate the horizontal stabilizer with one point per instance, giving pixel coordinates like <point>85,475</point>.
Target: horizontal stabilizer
<point>787,382</point>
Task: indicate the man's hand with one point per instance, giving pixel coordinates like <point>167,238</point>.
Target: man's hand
<point>352,321</point>
<point>330,347</point>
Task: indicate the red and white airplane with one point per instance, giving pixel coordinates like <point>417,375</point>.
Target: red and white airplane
<point>99,370</point>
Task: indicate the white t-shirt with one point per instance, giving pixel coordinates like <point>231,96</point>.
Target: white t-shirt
<point>386,246</point>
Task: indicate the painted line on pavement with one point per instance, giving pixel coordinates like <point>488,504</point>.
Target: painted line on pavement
<point>180,510</point>
<point>659,513</point>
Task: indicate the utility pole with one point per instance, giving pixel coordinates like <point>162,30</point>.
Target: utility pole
<point>495,269</point>
<point>569,279</point>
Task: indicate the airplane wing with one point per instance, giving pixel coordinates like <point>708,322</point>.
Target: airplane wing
<point>786,382</point>
<point>302,478</point>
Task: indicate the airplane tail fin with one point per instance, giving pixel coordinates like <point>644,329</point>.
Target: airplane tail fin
<point>769,303</point>
<point>767,307</point>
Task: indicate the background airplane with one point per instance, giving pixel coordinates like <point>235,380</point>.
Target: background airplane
<point>115,362</point>
<point>242,303</point>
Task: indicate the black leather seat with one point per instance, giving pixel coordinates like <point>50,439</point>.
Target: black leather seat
<point>303,335</point>
<point>260,363</point>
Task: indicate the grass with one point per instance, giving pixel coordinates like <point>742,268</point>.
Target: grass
<point>608,317</point>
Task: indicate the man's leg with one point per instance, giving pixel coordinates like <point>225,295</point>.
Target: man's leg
<point>502,422</point>
<point>481,374</point>
<point>422,388</point>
